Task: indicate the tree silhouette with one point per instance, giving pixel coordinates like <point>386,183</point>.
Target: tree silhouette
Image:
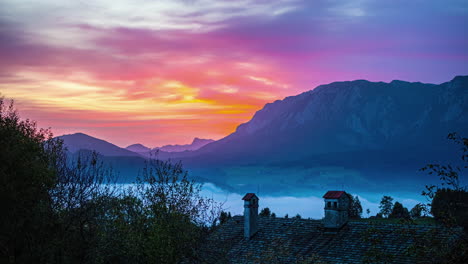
<point>265,212</point>
<point>355,208</point>
<point>448,201</point>
<point>61,210</point>
<point>399,211</point>
<point>386,206</point>
<point>416,211</point>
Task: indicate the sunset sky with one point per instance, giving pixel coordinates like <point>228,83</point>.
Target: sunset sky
<point>164,72</point>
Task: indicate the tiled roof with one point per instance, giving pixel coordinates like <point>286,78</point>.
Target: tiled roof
<point>249,196</point>
<point>333,194</point>
<point>292,240</point>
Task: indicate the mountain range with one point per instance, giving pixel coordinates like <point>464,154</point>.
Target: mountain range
<point>348,117</point>
<point>356,133</point>
<point>80,141</point>
<point>197,143</point>
<point>138,148</point>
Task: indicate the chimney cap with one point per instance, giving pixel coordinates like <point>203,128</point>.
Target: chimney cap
<point>249,196</point>
<point>333,194</point>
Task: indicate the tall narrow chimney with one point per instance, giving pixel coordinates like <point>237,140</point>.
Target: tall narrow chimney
<point>250,214</point>
<point>336,209</point>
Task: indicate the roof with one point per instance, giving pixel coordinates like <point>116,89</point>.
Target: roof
<point>292,240</point>
<point>249,196</point>
<point>333,194</point>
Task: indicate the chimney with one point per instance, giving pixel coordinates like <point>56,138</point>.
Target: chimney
<point>336,209</point>
<point>250,214</point>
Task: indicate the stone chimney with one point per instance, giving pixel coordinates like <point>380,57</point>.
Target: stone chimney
<point>336,209</point>
<point>250,214</point>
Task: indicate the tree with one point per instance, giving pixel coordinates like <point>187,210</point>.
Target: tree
<point>368,212</point>
<point>355,208</point>
<point>163,219</point>
<point>386,205</point>
<point>265,212</point>
<point>224,217</point>
<point>175,212</point>
<point>58,209</point>
<point>449,201</point>
<point>451,207</point>
<point>25,181</point>
<point>416,211</point>
<point>399,211</point>
<point>80,199</point>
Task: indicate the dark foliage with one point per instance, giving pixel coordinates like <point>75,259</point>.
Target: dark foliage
<point>448,204</point>
<point>57,210</point>
<point>355,208</point>
<point>224,217</point>
<point>451,206</point>
<point>386,205</point>
<point>449,201</point>
<point>265,212</point>
<point>417,211</point>
<point>26,178</point>
<point>399,211</point>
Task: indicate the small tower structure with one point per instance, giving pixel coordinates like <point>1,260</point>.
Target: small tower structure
<point>336,209</point>
<point>250,215</point>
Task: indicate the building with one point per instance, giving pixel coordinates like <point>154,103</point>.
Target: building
<point>336,209</point>
<point>334,239</point>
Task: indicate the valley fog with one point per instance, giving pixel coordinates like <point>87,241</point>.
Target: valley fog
<point>308,205</point>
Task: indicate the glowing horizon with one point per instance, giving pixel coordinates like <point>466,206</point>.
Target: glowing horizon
<point>160,73</point>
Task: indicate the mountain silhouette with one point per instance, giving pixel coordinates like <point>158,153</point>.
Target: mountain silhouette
<point>196,144</point>
<point>360,134</point>
<point>348,117</point>
<point>80,141</point>
<point>366,135</point>
<point>138,148</point>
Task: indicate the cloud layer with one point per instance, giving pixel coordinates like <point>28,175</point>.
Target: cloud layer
<point>159,72</point>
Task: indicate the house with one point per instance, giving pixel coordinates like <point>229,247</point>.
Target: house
<point>334,239</point>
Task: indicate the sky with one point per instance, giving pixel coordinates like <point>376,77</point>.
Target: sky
<point>164,72</point>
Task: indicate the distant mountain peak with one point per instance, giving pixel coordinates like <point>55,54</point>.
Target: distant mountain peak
<point>78,134</point>
<point>397,81</point>
<point>138,148</point>
<point>196,144</point>
<point>80,141</point>
<point>201,141</point>
<point>460,79</point>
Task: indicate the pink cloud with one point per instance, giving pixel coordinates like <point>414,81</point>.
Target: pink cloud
<point>223,75</point>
